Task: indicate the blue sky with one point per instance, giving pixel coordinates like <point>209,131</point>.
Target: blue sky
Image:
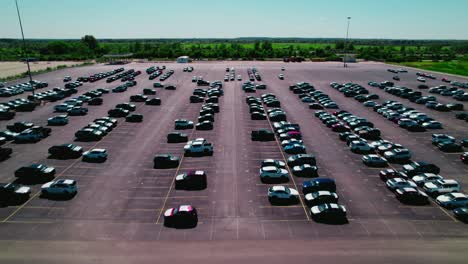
<point>408,19</point>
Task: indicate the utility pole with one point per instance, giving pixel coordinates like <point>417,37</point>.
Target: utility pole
<point>24,48</point>
<point>346,45</point>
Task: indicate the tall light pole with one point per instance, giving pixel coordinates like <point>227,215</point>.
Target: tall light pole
<point>24,48</point>
<point>346,44</point>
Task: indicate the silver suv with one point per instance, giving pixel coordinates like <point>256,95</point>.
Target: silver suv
<point>438,187</point>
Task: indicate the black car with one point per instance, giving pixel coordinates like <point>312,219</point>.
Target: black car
<point>12,193</point>
<point>153,101</point>
<point>18,127</point>
<point>177,137</point>
<point>138,98</point>
<point>262,135</point>
<point>88,134</point>
<point>184,216</point>
<point>415,168</point>
<point>126,106</point>
<point>66,151</point>
<point>35,172</point>
<point>5,153</point>
<point>165,161</point>
<point>301,159</point>
<point>7,115</point>
<point>148,91</point>
<point>196,99</point>
<point>461,213</point>
<point>95,101</point>
<point>134,118</point>
<point>118,112</point>
<point>410,195</point>
<point>205,125</point>
<point>329,212</point>
<point>258,116</point>
<point>318,184</point>
<point>450,147</point>
<point>191,180</point>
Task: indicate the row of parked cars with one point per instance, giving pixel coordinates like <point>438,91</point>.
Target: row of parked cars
<point>448,143</point>
<point>251,87</point>
<point>406,183</point>
<point>429,101</point>
<point>319,193</point>
<point>254,74</point>
<point>20,88</point>
<point>16,192</point>
<point>186,215</point>
<point>8,110</point>
<point>127,75</point>
<point>315,98</point>
<point>24,132</point>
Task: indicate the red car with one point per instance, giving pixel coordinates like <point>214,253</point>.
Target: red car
<point>184,216</point>
<point>445,80</point>
<point>295,134</point>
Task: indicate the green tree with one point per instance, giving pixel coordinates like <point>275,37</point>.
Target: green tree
<point>90,41</point>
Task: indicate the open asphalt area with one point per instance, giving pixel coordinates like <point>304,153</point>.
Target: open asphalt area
<point>118,211</point>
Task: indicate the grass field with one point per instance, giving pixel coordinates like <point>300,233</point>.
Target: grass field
<point>452,67</point>
<point>11,68</point>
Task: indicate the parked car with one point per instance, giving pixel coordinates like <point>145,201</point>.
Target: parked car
<point>329,212</point>
<point>177,137</point>
<point>191,180</point>
<point>183,216</point>
<point>65,151</point>
<point>35,172</point>
<point>95,155</point>
<point>61,187</point>
<point>59,120</point>
<point>279,194</point>
<point>165,161</point>
<point>411,195</point>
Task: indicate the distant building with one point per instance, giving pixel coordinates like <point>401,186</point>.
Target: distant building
<point>183,59</point>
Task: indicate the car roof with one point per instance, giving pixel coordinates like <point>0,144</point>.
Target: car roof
<point>186,208</point>
<point>98,150</point>
<point>278,188</point>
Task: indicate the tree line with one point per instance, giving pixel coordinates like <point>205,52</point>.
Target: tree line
<point>89,47</point>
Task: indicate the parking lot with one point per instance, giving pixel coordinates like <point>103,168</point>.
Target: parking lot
<point>124,198</point>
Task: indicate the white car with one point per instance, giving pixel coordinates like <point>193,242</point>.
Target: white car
<point>60,187</point>
<point>73,102</point>
<point>396,183</point>
<point>438,187</point>
<point>272,162</point>
<point>62,108</point>
<point>199,146</point>
<point>269,173</point>
<point>359,146</point>
<point>98,155</point>
<point>239,77</point>
<point>284,143</point>
<point>279,193</point>
<point>453,200</point>
<point>422,178</point>
<point>57,120</point>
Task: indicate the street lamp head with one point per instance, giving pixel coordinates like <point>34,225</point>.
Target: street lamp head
<point>349,17</point>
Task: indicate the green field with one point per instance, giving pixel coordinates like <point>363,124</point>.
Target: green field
<point>452,67</point>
